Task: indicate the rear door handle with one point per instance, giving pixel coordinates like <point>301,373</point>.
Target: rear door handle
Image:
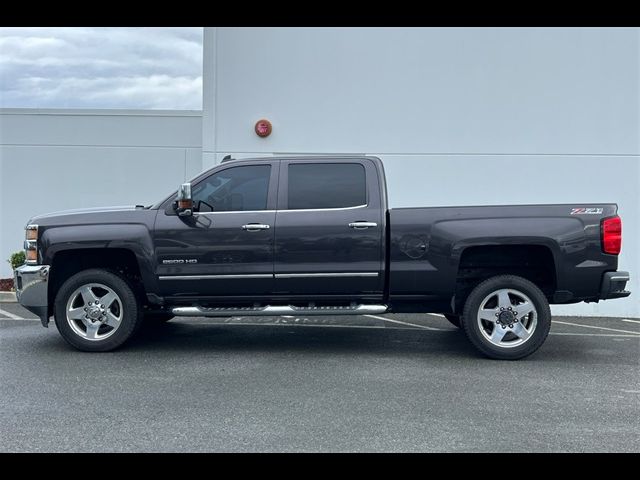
<point>362,225</point>
<point>255,227</point>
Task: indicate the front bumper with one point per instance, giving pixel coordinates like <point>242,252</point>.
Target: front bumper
<point>32,282</point>
<point>613,285</point>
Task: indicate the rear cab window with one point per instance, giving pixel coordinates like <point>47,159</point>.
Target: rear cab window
<point>326,185</point>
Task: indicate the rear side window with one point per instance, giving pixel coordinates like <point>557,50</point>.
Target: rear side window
<point>326,185</point>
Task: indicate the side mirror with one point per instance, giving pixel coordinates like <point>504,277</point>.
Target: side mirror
<point>184,203</point>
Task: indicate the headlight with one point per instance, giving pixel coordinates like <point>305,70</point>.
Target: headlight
<point>32,232</point>
<point>31,244</point>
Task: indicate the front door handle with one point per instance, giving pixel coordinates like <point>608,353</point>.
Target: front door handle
<point>255,227</point>
<point>362,225</point>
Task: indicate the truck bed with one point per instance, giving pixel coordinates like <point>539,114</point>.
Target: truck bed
<point>428,245</point>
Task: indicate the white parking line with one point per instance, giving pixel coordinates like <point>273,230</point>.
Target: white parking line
<point>594,334</point>
<point>410,324</point>
<point>365,327</point>
<point>621,333</point>
<point>630,321</point>
<point>599,328</point>
<point>10,315</point>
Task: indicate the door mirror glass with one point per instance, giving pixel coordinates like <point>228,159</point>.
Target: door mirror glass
<point>184,202</point>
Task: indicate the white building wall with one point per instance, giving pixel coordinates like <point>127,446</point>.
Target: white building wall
<point>458,115</point>
<point>54,160</point>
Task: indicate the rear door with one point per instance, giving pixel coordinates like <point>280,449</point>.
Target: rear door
<point>329,229</point>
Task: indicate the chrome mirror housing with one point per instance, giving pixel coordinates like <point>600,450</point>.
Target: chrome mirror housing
<point>184,202</point>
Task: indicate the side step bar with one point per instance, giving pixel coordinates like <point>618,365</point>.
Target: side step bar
<point>276,310</point>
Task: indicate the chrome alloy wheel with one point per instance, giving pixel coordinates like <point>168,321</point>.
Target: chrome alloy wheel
<point>94,311</point>
<point>507,318</point>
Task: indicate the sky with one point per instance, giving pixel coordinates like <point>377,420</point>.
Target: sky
<point>101,67</point>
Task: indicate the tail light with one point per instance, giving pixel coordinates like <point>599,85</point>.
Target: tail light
<point>611,232</point>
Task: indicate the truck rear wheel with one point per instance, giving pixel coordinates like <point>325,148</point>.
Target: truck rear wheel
<point>506,317</point>
<point>96,311</point>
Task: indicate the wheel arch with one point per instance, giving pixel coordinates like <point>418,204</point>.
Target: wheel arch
<point>477,262</point>
<point>66,263</point>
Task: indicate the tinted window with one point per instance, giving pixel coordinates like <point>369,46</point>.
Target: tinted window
<point>234,189</point>
<point>326,185</point>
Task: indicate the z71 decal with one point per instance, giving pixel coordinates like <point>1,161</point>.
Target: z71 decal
<point>586,211</point>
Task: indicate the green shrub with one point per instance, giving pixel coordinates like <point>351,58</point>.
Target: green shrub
<point>16,259</point>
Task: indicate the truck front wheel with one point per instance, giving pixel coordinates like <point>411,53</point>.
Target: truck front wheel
<point>96,311</point>
<point>506,317</point>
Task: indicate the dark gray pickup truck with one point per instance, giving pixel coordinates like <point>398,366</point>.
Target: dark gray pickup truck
<point>314,236</point>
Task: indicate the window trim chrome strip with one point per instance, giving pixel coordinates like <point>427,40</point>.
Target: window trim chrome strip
<point>235,211</point>
<point>321,209</point>
<point>285,210</point>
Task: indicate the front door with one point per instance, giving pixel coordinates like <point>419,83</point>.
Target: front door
<point>329,229</point>
<point>226,247</point>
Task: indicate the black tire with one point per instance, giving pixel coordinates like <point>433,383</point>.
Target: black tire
<point>471,325</point>
<point>157,317</point>
<point>453,319</point>
<point>131,312</point>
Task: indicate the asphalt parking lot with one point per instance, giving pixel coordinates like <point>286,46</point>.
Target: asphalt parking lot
<point>370,383</point>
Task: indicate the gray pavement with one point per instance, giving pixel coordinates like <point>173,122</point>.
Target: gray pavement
<point>371,383</point>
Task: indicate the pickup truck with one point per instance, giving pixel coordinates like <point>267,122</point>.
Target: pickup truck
<point>314,236</point>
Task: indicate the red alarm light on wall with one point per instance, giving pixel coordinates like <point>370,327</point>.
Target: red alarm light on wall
<point>263,128</point>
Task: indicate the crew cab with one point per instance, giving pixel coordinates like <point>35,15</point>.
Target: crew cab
<point>314,236</point>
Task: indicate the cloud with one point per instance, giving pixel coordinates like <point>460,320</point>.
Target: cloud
<point>156,68</point>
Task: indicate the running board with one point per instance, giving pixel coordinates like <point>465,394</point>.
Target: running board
<point>275,310</point>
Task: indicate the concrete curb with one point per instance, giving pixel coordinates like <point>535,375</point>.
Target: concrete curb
<point>8,297</point>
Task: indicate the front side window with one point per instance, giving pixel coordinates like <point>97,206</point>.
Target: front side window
<point>234,189</point>
<point>326,185</point>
